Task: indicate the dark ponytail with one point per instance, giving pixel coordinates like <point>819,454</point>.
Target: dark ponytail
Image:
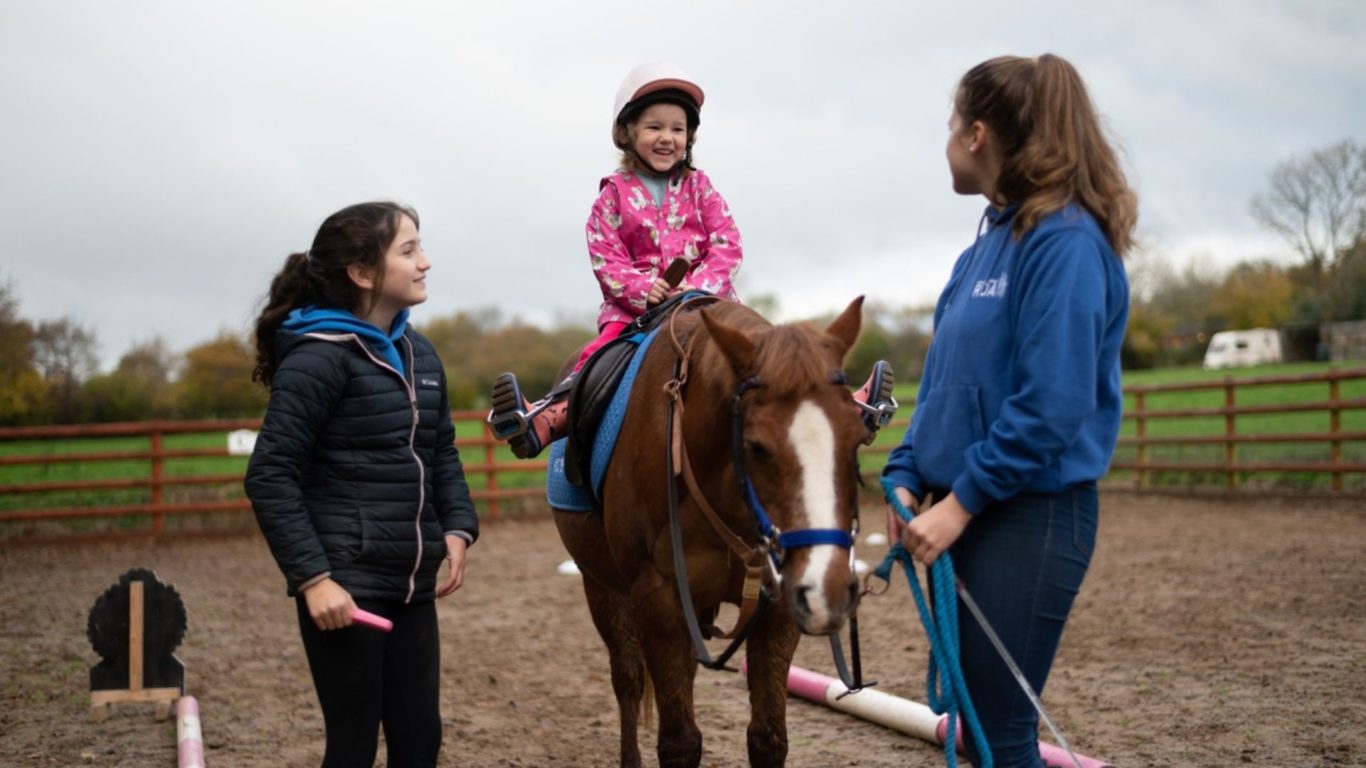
<point>288,290</point>
<point>359,235</point>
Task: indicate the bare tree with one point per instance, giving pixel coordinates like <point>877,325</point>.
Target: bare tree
<point>1318,202</point>
<point>65,353</point>
<point>16,334</point>
<point>22,390</point>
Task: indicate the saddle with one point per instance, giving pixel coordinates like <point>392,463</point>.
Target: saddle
<point>597,383</point>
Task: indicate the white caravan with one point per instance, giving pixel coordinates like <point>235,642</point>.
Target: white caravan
<point>1234,349</point>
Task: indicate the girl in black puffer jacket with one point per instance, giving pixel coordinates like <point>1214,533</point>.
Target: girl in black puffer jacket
<point>356,482</point>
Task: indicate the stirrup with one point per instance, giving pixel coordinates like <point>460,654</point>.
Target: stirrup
<point>880,406</point>
<point>508,417</point>
<point>509,420</point>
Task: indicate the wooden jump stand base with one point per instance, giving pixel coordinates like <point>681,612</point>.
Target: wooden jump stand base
<point>101,701</point>
<point>165,698</point>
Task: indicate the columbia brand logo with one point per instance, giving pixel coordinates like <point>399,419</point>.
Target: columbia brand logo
<point>429,382</point>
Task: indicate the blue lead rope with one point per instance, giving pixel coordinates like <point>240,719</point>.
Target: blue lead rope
<point>945,689</point>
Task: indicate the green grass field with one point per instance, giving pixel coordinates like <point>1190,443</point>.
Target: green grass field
<point>1258,424</point>
<point>1287,423</point>
<point>175,467</point>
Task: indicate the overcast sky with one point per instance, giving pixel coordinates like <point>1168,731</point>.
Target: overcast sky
<point>158,161</point>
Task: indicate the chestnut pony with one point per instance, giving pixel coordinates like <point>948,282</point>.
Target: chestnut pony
<point>799,429</point>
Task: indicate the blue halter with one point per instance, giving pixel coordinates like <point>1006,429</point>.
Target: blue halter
<point>778,541</point>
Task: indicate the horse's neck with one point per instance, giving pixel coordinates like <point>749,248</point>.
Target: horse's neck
<point>708,416</point>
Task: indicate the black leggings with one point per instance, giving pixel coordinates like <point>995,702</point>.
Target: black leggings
<point>365,677</point>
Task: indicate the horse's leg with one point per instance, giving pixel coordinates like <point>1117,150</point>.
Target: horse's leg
<point>586,541</point>
<point>669,657</point>
<point>610,610</point>
<point>770,650</point>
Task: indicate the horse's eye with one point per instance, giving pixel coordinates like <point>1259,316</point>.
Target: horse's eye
<point>758,450</point>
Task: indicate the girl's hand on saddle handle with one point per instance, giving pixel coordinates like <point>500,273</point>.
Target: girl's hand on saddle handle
<point>935,530</point>
<point>896,528</point>
<point>455,558</point>
<point>659,290</point>
<point>329,604</point>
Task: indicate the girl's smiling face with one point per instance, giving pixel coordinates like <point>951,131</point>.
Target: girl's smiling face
<point>405,272</point>
<point>661,136</point>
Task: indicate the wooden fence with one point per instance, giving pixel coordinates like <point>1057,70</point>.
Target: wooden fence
<point>164,493</point>
<point>1233,467</point>
<point>203,492</point>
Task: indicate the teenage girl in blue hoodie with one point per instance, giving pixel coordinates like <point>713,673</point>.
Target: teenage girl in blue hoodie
<point>1020,401</point>
<point>356,482</point>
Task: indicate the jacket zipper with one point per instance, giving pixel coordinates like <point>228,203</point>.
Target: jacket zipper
<point>412,437</point>
<point>421,472</point>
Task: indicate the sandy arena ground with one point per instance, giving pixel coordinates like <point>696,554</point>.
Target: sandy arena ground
<point>1208,633</point>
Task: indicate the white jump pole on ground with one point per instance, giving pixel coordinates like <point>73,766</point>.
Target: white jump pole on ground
<point>908,717</point>
<point>189,738</point>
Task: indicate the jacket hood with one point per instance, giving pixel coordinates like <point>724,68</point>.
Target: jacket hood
<point>312,319</point>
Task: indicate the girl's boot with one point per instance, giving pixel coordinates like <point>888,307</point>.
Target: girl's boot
<point>527,427</point>
<point>875,399</point>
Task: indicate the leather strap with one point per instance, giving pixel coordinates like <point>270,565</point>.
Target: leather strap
<point>751,592</point>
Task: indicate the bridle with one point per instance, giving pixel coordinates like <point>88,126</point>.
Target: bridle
<point>763,561</point>
<point>777,543</point>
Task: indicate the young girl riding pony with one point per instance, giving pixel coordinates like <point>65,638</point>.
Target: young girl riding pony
<point>654,209</point>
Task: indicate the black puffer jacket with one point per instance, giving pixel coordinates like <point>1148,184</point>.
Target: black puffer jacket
<point>355,472</point>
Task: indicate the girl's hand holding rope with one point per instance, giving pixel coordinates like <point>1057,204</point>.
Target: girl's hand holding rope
<point>896,527</point>
<point>932,532</point>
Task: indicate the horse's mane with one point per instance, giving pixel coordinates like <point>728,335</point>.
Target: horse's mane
<point>789,358</point>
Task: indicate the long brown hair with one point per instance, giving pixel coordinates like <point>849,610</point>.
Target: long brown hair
<point>1054,151</point>
<point>358,234</point>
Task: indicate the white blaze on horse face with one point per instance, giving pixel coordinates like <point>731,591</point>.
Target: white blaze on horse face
<point>814,440</point>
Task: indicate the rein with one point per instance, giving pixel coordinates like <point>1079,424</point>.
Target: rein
<point>763,562</point>
<point>754,599</point>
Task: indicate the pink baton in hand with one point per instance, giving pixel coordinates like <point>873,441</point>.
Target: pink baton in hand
<point>368,619</point>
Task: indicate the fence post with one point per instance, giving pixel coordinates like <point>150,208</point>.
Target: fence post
<point>1335,427</point>
<point>490,459</point>
<point>1230,431</point>
<point>158,512</point>
<point>1142,432</point>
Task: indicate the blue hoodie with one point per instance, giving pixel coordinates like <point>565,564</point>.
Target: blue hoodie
<point>1021,388</point>
<point>314,319</point>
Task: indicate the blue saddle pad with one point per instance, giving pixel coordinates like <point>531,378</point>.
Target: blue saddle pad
<point>558,491</point>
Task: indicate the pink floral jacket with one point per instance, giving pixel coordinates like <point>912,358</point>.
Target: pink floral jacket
<point>631,241</point>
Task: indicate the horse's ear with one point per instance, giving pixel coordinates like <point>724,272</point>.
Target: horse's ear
<point>845,328</point>
<point>735,346</point>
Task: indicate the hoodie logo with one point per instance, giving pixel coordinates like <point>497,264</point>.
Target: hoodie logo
<point>994,288</point>
<point>428,382</point>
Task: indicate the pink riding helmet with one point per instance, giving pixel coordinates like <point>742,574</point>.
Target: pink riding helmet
<point>663,81</point>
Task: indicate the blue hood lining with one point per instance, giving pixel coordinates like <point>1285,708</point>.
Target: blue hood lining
<point>314,319</point>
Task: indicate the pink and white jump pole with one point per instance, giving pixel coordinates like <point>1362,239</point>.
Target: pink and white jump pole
<point>908,717</point>
<point>189,739</point>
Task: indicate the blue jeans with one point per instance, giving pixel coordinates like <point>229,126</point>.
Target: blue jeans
<point>1022,560</point>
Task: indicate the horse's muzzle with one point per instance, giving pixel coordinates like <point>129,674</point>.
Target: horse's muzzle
<point>823,611</point>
